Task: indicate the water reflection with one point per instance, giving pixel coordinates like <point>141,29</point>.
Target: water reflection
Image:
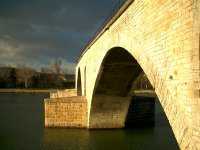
<point>66,139</point>
<point>118,139</point>
<point>22,128</point>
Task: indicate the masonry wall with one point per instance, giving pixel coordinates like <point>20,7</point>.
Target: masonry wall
<point>141,111</point>
<point>163,36</point>
<point>68,112</point>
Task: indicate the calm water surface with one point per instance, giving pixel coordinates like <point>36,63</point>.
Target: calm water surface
<point>22,128</point>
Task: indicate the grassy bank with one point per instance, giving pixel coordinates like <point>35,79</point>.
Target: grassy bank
<point>28,90</point>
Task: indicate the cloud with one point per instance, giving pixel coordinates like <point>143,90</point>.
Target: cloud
<point>8,49</point>
<point>41,30</point>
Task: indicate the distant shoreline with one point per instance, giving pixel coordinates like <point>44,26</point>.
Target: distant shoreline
<point>54,90</point>
<point>144,92</point>
<point>28,90</point>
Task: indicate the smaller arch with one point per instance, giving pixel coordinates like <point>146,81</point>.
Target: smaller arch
<point>79,83</point>
<point>85,81</point>
<point>117,76</point>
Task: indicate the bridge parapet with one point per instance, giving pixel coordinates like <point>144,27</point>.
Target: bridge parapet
<point>64,93</point>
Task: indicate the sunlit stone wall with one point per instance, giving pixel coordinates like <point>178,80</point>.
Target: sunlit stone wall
<point>163,36</point>
<point>66,112</point>
<point>63,93</point>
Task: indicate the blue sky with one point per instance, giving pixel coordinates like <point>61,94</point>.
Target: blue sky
<point>35,32</point>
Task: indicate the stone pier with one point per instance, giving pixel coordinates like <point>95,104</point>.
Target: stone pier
<point>65,109</point>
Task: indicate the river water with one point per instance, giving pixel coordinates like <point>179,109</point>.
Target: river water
<point>22,128</point>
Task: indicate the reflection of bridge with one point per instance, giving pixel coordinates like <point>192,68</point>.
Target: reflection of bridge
<point>159,37</point>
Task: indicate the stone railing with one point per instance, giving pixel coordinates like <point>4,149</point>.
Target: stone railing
<point>64,93</point>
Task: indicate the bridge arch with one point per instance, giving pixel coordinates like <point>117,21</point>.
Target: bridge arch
<point>166,46</point>
<point>79,83</point>
<point>117,72</point>
<point>107,111</point>
<point>85,80</point>
<point>118,75</point>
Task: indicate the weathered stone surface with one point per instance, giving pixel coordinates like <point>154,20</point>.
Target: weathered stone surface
<point>108,111</point>
<point>162,36</point>
<point>70,112</point>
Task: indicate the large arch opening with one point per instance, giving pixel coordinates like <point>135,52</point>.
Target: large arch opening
<point>79,83</point>
<point>119,70</point>
<point>119,76</point>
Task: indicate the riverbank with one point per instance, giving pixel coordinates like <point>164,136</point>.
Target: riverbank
<point>144,92</point>
<point>28,90</point>
<point>55,90</point>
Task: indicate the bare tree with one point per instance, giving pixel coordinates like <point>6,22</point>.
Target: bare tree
<point>46,70</point>
<point>4,75</point>
<point>63,74</point>
<point>46,80</point>
<point>24,75</point>
<point>59,71</point>
<point>63,71</point>
<point>4,72</point>
<point>56,66</point>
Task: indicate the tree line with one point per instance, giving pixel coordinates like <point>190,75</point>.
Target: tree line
<point>24,76</point>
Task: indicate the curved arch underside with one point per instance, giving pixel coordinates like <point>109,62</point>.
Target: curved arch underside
<point>79,83</point>
<point>120,69</point>
<point>111,98</point>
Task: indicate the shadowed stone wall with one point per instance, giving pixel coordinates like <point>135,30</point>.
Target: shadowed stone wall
<point>141,111</point>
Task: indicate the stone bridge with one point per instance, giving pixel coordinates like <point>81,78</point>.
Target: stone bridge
<point>159,38</point>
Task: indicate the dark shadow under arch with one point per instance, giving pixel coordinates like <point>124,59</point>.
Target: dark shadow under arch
<point>79,83</point>
<point>119,70</point>
<point>85,82</point>
<point>120,74</point>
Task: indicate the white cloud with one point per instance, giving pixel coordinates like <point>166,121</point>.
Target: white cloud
<point>8,50</point>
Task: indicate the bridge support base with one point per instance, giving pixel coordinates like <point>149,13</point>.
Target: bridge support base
<point>108,112</point>
<point>141,111</point>
<point>118,112</point>
<point>64,109</point>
